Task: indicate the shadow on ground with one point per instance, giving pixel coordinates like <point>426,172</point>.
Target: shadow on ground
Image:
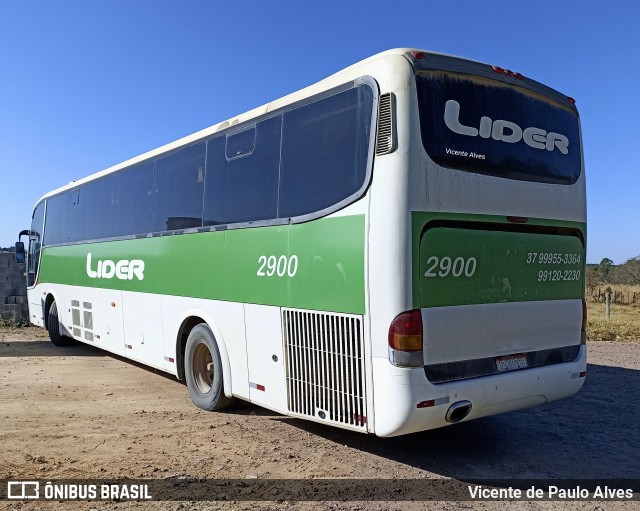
<point>592,435</point>
<point>44,348</point>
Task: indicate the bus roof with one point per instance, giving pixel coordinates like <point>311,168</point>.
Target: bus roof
<point>331,81</point>
<point>336,79</point>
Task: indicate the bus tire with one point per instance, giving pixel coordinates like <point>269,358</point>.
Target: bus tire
<point>53,327</point>
<point>203,370</point>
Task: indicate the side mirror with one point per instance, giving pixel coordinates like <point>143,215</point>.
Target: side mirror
<point>20,258</point>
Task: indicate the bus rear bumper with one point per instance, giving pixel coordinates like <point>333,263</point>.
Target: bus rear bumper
<point>406,402</point>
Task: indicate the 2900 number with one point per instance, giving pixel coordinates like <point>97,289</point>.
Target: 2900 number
<point>441,267</point>
<point>280,266</point>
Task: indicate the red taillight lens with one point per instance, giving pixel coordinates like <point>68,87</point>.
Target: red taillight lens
<point>405,340</point>
<point>583,339</point>
<point>405,332</point>
<point>418,55</point>
<point>571,100</point>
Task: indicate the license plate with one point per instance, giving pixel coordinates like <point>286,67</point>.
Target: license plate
<point>511,362</point>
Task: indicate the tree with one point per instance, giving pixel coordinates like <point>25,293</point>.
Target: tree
<point>630,270</point>
<point>593,278</point>
<point>604,268</point>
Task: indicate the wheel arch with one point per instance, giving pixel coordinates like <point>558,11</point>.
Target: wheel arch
<point>190,320</point>
<point>48,301</point>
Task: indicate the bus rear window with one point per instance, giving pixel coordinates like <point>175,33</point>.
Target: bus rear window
<point>487,127</point>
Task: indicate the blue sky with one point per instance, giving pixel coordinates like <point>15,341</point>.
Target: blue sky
<point>87,84</point>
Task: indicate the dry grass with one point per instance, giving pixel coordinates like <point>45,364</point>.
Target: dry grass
<point>624,324</point>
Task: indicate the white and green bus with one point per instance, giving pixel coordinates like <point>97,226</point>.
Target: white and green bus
<point>398,247</point>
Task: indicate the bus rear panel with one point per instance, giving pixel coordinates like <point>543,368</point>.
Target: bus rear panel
<point>496,232</point>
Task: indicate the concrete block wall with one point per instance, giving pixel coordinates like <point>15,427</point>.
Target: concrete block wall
<point>13,289</point>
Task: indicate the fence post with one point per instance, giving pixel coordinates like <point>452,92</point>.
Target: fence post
<point>607,302</point>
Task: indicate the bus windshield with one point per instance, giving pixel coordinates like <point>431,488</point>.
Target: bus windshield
<point>489,127</point>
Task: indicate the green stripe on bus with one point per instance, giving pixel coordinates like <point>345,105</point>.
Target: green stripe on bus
<point>455,265</point>
<point>325,257</point>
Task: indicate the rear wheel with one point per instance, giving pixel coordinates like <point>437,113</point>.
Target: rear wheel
<point>53,327</point>
<point>203,370</point>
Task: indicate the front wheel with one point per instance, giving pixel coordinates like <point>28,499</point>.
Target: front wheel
<point>203,370</point>
<point>53,327</point>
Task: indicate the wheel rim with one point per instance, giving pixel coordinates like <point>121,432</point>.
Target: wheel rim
<point>202,368</point>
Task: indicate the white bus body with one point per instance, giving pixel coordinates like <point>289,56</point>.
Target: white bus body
<point>306,309</point>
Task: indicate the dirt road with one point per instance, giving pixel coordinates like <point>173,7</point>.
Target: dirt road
<point>78,412</point>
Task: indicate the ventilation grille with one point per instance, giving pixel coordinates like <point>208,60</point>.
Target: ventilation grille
<point>88,319</point>
<point>386,133</point>
<point>75,317</point>
<point>325,367</point>
<point>82,320</point>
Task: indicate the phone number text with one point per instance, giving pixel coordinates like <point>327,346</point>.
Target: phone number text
<point>558,275</point>
<point>553,258</point>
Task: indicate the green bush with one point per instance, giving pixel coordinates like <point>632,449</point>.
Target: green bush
<point>5,323</point>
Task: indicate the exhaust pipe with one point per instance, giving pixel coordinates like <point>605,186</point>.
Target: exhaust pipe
<point>458,411</point>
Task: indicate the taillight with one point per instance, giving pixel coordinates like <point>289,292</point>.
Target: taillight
<point>583,336</point>
<point>507,72</point>
<point>405,340</point>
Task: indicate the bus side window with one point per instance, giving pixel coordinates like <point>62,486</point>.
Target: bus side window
<point>35,240</point>
<point>242,175</point>
<point>325,147</point>
<point>178,188</point>
<point>55,220</point>
<point>74,215</point>
<point>100,208</point>
<point>134,190</point>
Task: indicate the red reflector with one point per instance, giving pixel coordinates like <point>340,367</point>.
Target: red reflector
<point>129,347</point>
<point>418,55</point>
<point>426,404</point>
<point>517,219</point>
<point>260,387</point>
<point>571,100</point>
<point>507,72</point>
<point>583,374</point>
<point>171,360</point>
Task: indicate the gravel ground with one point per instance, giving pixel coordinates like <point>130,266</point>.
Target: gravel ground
<point>79,413</point>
